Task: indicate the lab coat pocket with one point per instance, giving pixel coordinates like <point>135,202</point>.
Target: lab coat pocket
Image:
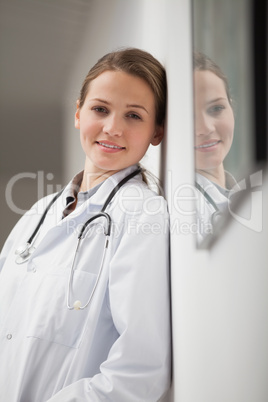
<point>50,319</point>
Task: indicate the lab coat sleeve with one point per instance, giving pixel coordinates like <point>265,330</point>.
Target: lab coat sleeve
<point>138,365</point>
<point>6,248</point>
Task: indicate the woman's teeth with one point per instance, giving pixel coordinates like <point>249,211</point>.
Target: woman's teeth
<point>110,146</point>
<point>207,145</point>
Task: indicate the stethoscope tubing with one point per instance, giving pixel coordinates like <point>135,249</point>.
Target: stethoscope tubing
<point>23,251</point>
<point>98,215</point>
<point>32,237</point>
<point>217,213</point>
<point>77,304</point>
<point>207,196</point>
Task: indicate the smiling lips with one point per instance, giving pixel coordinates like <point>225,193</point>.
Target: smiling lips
<point>209,145</point>
<point>109,146</point>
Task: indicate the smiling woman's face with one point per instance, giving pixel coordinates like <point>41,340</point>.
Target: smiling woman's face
<point>214,121</point>
<point>117,122</point>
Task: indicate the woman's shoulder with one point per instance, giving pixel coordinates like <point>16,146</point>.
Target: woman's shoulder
<point>136,197</point>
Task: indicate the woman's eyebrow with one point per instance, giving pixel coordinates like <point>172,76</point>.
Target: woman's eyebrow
<point>217,100</point>
<point>100,100</point>
<point>139,107</point>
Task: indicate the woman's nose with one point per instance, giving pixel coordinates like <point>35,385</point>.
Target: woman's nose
<point>203,124</point>
<point>113,126</point>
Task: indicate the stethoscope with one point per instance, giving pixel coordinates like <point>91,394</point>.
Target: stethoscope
<point>217,213</point>
<point>25,251</point>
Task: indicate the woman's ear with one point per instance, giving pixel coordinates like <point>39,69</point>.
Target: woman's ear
<point>158,135</point>
<point>77,115</point>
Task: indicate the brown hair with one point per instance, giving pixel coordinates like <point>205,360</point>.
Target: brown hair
<point>201,62</point>
<point>134,62</point>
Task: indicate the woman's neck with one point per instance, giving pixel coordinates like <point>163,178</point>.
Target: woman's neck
<point>92,177</point>
<point>216,175</point>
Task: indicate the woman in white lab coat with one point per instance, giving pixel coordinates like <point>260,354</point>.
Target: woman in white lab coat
<point>214,130</point>
<point>68,331</point>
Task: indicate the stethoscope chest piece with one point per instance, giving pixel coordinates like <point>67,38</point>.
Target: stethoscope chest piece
<point>215,217</point>
<point>24,252</point>
<point>77,305</point>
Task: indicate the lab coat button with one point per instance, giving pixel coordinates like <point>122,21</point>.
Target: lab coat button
<point>9,336</point>
<point>34,270</point>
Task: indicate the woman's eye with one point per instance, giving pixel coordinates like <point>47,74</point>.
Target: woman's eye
<point>216,109</point>
<point>99,109</point>
<point>134,116</point>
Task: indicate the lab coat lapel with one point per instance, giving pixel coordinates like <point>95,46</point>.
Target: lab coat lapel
<point>96,202</point>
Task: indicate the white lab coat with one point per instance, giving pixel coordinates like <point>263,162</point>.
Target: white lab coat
<point>118,348</point>
<point>207,214</point>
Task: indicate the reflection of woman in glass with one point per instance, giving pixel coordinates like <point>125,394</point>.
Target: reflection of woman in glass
<point>214,129</point>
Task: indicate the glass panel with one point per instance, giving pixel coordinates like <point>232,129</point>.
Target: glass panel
<point>223,93</point>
